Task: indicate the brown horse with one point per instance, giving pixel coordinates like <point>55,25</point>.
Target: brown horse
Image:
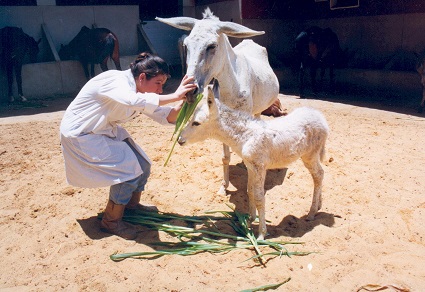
<point>15,45</point>
<point>93,46</point>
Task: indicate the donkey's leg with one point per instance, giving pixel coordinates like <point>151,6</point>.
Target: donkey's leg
<point>18,76</point>
<point>117,63</point>
<point>256,178</point>
<point>226,161</point>
<point>91,70</point>
<point>86,69</point>
<point>301,80</point>
<point>313,73</point>
<point>422,104</point>
<point>332,78</point>
<point>9,73</point>
<point>316,171</point>
<point>104,65</point>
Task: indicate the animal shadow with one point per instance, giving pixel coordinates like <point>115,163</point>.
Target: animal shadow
<point>291,226</point>
<point>239,179</point>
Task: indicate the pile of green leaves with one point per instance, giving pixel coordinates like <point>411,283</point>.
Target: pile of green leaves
<point>205,238</point>
<point>183,117</point>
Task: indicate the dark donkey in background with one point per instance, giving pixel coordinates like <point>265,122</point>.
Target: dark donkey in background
<point>93,46</point>
<point>318,48</point>
<point>15,45</point>
<point>420,67</point>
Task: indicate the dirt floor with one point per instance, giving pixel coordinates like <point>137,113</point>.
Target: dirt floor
<point>370,230</point>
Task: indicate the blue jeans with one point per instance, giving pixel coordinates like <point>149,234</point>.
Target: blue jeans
<point>121,193</point>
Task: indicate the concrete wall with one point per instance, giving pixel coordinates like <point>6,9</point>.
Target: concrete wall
<point>380,48</point>
<point>48,77</point>
<point>379,45</point>
<point>373,42</point>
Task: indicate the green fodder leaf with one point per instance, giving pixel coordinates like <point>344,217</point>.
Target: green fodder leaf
<point>180,118</point>
<point>267,287</point>
<point>183,117</point>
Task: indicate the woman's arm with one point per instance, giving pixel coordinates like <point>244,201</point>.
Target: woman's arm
<point>172,116</point>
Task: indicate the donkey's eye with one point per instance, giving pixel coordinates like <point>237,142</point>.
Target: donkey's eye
<point>211,47</point>
<point>196,124</point>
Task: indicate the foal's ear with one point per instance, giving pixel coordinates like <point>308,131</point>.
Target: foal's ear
<point>210,97</point>
<point>213,93</point>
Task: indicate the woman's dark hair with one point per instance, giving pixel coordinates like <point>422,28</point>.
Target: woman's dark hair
<point>149,64</point>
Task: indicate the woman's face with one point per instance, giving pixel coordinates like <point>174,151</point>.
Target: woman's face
<point>154,84</point>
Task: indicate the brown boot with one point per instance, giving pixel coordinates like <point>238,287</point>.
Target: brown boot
<point>133,204</point>
<point>112,222</point>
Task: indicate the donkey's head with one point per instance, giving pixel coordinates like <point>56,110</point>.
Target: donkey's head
<point>207,46</point>
<point>33,48</point>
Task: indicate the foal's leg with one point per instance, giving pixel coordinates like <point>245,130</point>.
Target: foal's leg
<point>256,179</point>
<point>226,161</point>
<point>316,171</point>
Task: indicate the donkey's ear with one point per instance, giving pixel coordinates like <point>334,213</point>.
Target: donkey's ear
<point>182,22</point>
<point>237,30</point>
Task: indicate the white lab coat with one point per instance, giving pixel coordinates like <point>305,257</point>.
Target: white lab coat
<point>92,141</point>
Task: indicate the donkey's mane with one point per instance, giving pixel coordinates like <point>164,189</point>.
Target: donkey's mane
<point>207,14</point>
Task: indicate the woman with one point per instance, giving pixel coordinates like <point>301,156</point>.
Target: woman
<point>98,152</point>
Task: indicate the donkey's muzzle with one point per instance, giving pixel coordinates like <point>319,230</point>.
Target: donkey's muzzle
<point>191,96</point>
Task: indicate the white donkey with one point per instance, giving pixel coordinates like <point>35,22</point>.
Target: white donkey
<point>264,145</point>
<point>247,82</point>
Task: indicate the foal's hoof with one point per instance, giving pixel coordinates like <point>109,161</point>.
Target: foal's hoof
<point>310,217</point>
<point>222,191</point>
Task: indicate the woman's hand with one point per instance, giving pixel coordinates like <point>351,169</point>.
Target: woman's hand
<point>185,86</point>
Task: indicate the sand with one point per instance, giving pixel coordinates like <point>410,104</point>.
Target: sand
<point>370,230</point>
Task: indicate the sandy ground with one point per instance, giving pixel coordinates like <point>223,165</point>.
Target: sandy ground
<point>370,230</point>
